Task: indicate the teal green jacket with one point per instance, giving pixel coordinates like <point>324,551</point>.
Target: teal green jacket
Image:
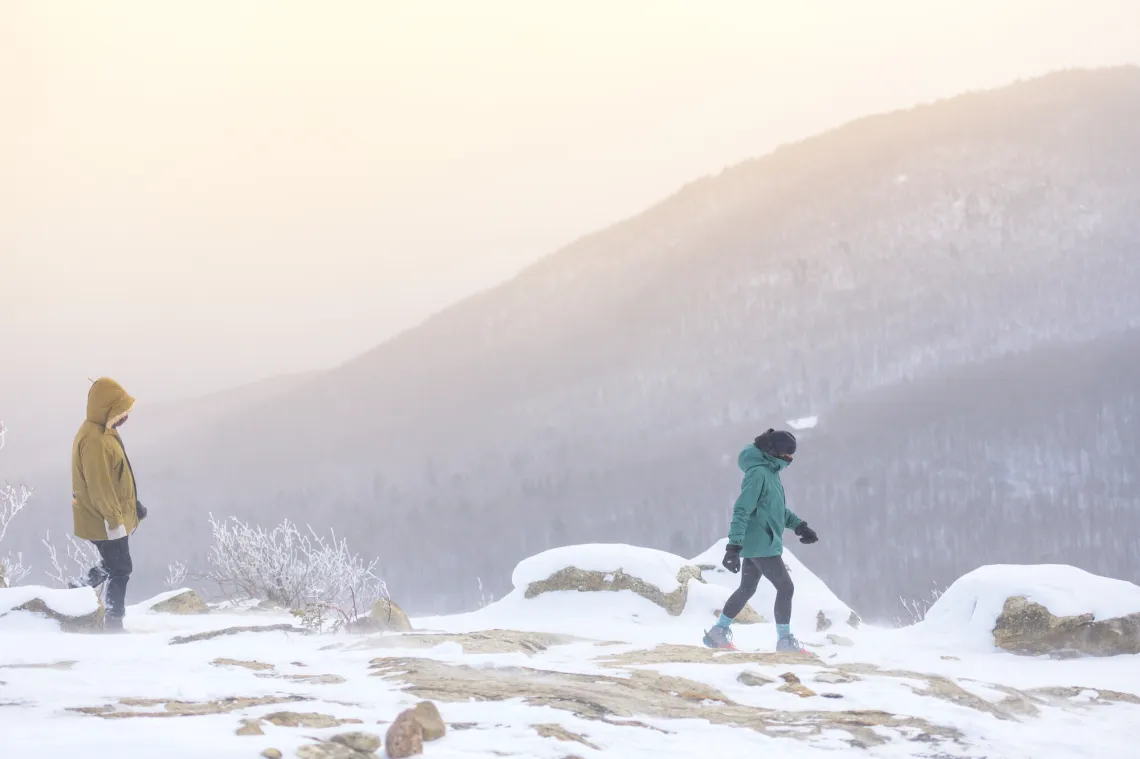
<point>760,515</point>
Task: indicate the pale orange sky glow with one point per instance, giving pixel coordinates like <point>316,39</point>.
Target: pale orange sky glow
<point>196,195</point>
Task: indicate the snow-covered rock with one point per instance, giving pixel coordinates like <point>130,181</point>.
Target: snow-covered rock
<point>182,601</point>
<point>75,610</point>
<point>1037,608</point>
<point>657,576</point>
<point>814,606</point>
<point>658,568</point>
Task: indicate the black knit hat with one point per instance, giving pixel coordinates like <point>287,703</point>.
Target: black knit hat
<point>781,443</point>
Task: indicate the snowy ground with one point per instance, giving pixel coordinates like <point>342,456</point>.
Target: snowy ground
<point>570,674</point>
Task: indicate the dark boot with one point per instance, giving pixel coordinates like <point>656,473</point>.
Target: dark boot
<point>113,624</point>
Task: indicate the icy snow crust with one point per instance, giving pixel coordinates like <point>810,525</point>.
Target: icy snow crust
<point>92,670</point>
<point>968,610</point>
<point>78,602</point>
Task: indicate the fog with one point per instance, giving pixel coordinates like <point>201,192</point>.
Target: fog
<point>196,198</point>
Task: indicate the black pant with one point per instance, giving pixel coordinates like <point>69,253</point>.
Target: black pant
<point>752,570</point>
<point>116,558</point>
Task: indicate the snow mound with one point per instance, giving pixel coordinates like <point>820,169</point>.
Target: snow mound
<point>658,568</point>
<point>968,610</point>
<point>77,602</point>
<point>812,595</point>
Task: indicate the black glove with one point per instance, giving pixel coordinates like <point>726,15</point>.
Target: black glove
<point>807,534</point>
<point>140,511</point>
<point>731,560</point>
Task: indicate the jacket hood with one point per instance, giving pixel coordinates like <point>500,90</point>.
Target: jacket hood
<point>752,457</point>
<point>107,402</point>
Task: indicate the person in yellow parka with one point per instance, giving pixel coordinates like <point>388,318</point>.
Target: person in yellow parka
<point>105,503</point>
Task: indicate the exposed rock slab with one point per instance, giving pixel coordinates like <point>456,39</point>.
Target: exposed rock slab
<point>256,666</point>
<point>171,708</point>
<point>643,694</point>
<point>312,720</point>
<point>678,654</point>
<point>178,640</point>
<point>1025,627</point>
<point>560,733</point>
<point>480,642</point>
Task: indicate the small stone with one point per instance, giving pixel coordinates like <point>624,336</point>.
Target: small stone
<point>822,623</point>
<point>271,753</point>
<point>839,640</point>
<point>405,737</point>
<point>950,658</point>
<point>834,678</point>
<point>853,621</point>
<point>250,727</point>
<point>831,695</point>
<point>310,720</point>
<point>328,751</point>
<point>427,714</point>
<point>753,679</point>
<point>357,741</point>
<point>792,684</point>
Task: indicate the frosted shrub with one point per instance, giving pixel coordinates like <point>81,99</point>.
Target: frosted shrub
<point>12,502</point>
<point>916,608</point>
<point>175,576</point>
<point>314,578</point>
<point>81,559</point>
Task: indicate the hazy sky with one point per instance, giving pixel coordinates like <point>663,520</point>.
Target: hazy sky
<point>195,195</point>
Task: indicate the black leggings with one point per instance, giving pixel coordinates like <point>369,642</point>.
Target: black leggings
<point>773,568</point>
<point>116,556</point>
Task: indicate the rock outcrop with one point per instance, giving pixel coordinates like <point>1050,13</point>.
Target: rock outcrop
<point>572,578</point>
<point>1025,627</point>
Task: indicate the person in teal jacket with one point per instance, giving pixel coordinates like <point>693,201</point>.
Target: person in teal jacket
<point>756,537</point>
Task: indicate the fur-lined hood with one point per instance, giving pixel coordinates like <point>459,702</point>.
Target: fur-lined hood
<point>108,403</point>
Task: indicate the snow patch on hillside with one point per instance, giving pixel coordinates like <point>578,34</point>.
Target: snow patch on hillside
<point>967,612</point>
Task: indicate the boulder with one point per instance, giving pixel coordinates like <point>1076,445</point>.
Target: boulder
<point>386,616</point>
<point>183,602</point>
<point>405,737</point>
<point>1026,627</point>
<point>412,728</point>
